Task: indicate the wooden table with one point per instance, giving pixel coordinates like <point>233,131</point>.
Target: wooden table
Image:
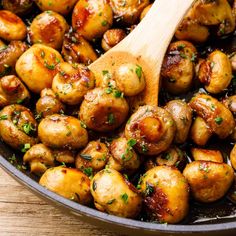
<point>23,213</point>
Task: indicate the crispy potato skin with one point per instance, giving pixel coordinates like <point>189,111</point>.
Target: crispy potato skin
<point>12,27</point>
<point>102,111</point>
<point>12,91</point>
<point>166,194</point>
<point>48,28</point>
<point>182,115</point>
<point>216,115</point>
<point>71,83</point>
<point>153,128</point>
<point>37,67</point>
<point>233,157</point>
<point>63,8</point>
<point>209,181</point>
<point>67,182</point>
<point>19,7</point>
<point>92,18</point>
<point>200,154</point>
<point>113,194</point>
<point>12,126</point>
<point>60,131</point>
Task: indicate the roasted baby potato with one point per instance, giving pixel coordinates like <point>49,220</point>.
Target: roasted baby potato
<point>182,115</point>
<point>178,67</point>
<point>48,28</point>
<point>199,154</point>
<point>64,156</point>
<point>12,91</point>
<point>215,72</point>
<point>166,194</point>
<point>12,27</point>
<point>102,110</point>
<point>62,132</point>
<point>40,158</point>
<point>18,127</point>
<point>67,182</point>
<point>37,67</point>
<point>114,194</point>
<point>153,128</point>
<point>233,157</point>
<point>209,181</point>
<point>215,114</point>
<point>64,7</point>
<point>72,82</point>
<point>92,19</point>
<point>19,7</point>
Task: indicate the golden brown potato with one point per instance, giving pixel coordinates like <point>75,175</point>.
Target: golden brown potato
<point>93,158</point>
<point>12,91</point>
<point>37,67</point>
<point>145,11</point>
<point>182,115</point>
<point>48,28</point>
<point>64,156</point>
<point>124,158</point>
<point>69,183</point>
<point>18,127</point>
<point>130,79</point>
<point>114,194</point>
<point>209,181</point>
<point>48,104</point>
<point>178,67</point>
<point>233,62</point>
<point>199,154</point>
<point>103,111</point>
<point>153,128</point>
<point>9,55</point>
<point>200,132</point>
<point>19,7</point>
<point>63,7</point>
<point>129,11</point>
<point>92,18</point>
<point>230,103</point>
<point>233,157</point>
<point>215,72</point>
<point>76,49</point>
<point>215,114</point>
<point>112,37</point>
<point>60,131</point>
<point>72,82</point>
<point>166,194</point>
<point>40,158</point>
<point>12,27</point>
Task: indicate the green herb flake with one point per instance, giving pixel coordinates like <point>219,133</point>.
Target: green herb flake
<point>111,119</point>
<point>149,189</point>
<point>3,117</point>
<point>26,147</point>
<point>218,120</point>
<point>124,197</point>
<point>28,128</point>
<point>88,171</point>
<point>139,71</point>
<point>86,157</point>
<point>131,142</point>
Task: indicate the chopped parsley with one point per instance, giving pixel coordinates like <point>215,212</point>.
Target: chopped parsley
<point>124,197</point>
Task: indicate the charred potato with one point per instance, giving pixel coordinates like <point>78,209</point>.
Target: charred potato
<point>12,27</point>
<point>12,91</point>
<point>72,82</point>
<point>102,110</point>
<point>18,127</point>
<point>19,7</point>
<point>48,28</point>
<point>153,128</point>
<point>37,67</point>
<point>199,154</point>
<point>182,115</point>
<point>92,19</point>
<point>113,194</point>
<point>40,158</point>
<point>166,194</point>
<point>69,183</point>
<point>209,181</point>
<point>60,131</point>
<point>233,157</point>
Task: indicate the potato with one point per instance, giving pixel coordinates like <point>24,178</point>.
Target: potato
<point>233,157</point>
<point>12,27</point>
<point>92,18</point>
<point>113,194</point>
<point>207,155</point>
<point>152,128</point>
<point>37,67</point>
<point>19,7</point>
<point>48,28</point>
<point>166,194</point>
<point>67,182</point>
<point>62,132</point>
<point>64,156</point>
<point>209,181</point>
<point>72,82</point>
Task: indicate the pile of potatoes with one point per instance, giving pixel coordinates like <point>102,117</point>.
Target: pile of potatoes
<point>78,134</point>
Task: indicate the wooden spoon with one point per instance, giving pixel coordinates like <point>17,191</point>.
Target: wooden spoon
<point>146,46</point>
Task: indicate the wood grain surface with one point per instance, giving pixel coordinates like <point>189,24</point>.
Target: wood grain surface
<point>23,213</point>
